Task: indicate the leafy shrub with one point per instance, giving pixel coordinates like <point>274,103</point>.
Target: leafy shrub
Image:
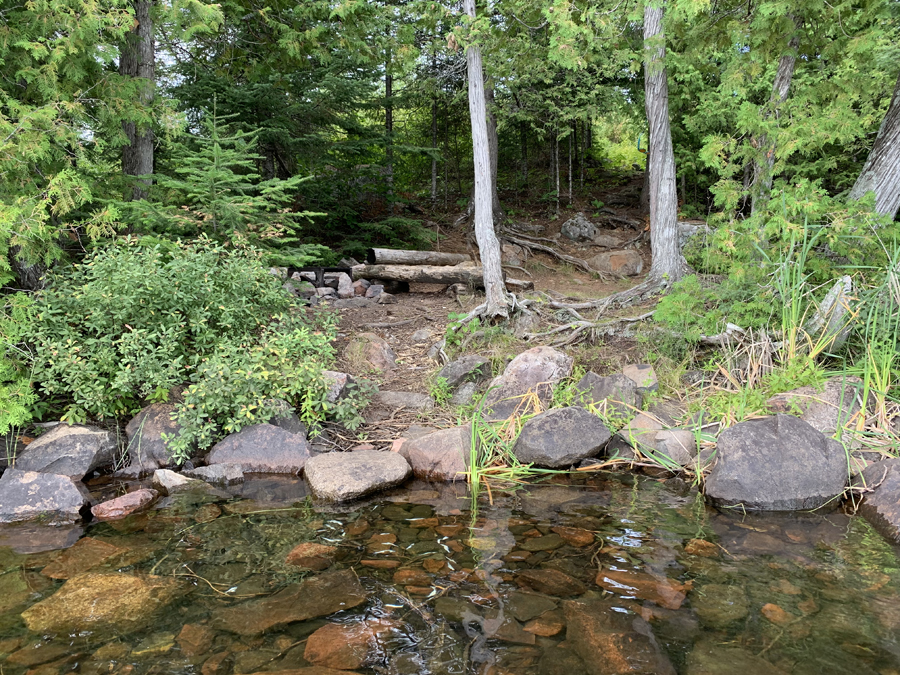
<point>133,321</point>
<point>16,393</point>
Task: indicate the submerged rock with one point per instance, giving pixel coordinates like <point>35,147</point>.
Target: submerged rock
<point>124,505</point>
<point>262,448</point>
<point>720,605</point>
<point>561,437</point>
<point>29,495</point>
<point>85,554</point>
<point>534,372</point>
<point>317,596</point>
<point>778,463</point>
<point>441,455</point>
<point>108,602</point>
<point>611,642</point>
<point>72,451</point>
<point>218,474</point>
<point>341,476</point>
<point>710,658</point>
<point>349,646</point>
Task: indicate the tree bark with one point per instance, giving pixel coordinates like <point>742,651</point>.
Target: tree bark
<point>137,59</point>
<point>762,169</point>
<point>488,245</point>
<point>556,166</point>
<point>423,274</point>
<point>389,129</point>
<point>668,265</point>
<point>571,136</point>
<point>434,141</point>
<point>390,256</point>
<point>494,149</point>
<point>881,172</point>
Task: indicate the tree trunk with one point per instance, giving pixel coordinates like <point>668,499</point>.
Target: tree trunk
<point>488,245</point>
<point>881,172</point>
<point>762,169</point>
<point>389,129</point>
<point>434,142</point>
<point>556,167</point>
<point>571,136</point>
<point>137,59</point>
<point>494,150</point>
<point>668,265</point>
<point>582,147</point>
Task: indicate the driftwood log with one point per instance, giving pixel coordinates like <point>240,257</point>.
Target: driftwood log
<point>389,256</point>
<point>422,274</point>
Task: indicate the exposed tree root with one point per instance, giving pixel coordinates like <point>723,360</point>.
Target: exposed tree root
<point>576,262</point>
<point>578,330</point>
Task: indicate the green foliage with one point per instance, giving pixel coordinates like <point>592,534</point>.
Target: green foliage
<point>439,389</point>
<point>17,397</point>
<point>134,320</point>
<point>457,332</point>
<point>393,232</point>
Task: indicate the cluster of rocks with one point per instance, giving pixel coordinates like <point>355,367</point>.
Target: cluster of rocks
<point>340,289</point>
<point>785,461</point>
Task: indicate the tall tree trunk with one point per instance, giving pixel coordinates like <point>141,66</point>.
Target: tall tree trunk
<point>762,169</point>
<point>571,137</point>
<point>434,142</point>
<point>556,167</point>
<point>582,149</point>
<point>137,59</point>
<point>389,129</point>
<point>668,265</point>
<point>488,245</point>
<point>524,134</point>
<point>881,172</point>
<point>494,149</point>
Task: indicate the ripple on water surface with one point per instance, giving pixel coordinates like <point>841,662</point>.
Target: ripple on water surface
<point>603,574</point>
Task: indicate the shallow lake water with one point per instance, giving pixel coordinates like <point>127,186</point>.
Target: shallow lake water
<point>600,573</point>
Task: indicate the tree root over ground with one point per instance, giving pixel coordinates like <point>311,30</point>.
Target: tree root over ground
<point>575,262</point>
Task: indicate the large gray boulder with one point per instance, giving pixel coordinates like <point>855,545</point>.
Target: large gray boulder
<point>579,228</point>
<point>147,450</point>
<point>779,463</point>
<point>882,507</point>
<point>535,371</point>
<point>29,495</point>
<point>72,451</point>
<point>441,455</point>
<point>262,448</point>
<point>342,476</point>
<point>561,437</point>
<point>619,391</point>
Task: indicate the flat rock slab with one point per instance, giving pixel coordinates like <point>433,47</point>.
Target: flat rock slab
<point>108,602</point>
<point>218,474</point>
<point>85,554</point>
<point>72,451</point>
<point>441,455</point>
<point>29,495</point>
<point>342,476</point>
<point>627,263</point>
<point>386,403</point>
<point>825,410</point>
<point>611,642</point>
<point>317,596</point>
<point>882,507</point>
<point>561,437</point>
<point>779,463</point>
<point>147,450</point>
<point>533,373</point>
<point>262,448</point>
<point>117,508</point>
<point>469,368</point>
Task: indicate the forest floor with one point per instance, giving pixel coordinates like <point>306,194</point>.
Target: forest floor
<point>429,308</point>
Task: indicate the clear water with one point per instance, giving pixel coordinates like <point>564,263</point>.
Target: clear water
<point>786,593</point>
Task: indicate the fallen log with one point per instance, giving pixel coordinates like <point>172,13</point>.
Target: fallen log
<point>389,256</point>
<point>422,274</point>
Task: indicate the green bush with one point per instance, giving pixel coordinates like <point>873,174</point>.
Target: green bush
<point>133,321</point>
<point>17,397</point>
